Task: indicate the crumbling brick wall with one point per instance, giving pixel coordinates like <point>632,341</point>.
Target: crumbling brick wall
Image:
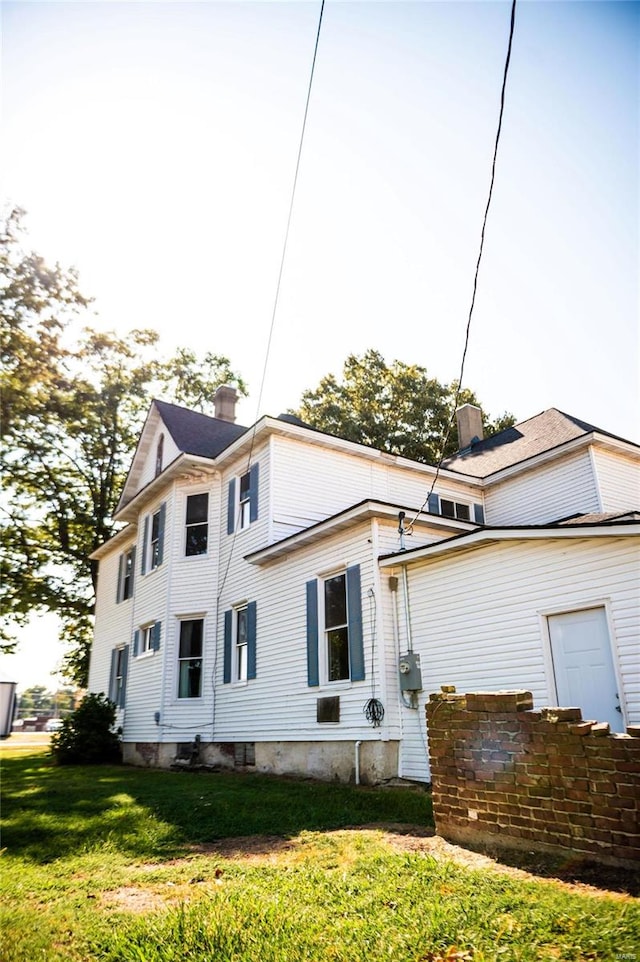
<point>505,775</point>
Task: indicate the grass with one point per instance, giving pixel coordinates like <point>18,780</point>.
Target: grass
<point>118,864</point>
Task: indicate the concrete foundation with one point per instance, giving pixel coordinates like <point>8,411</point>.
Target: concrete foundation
<point>327,761</point>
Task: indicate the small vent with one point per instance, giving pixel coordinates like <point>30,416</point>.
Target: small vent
<point>328,709</point>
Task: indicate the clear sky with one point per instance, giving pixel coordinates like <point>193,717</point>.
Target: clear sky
<point>153,146</point>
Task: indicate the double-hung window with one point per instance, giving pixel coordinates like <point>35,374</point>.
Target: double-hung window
<point>240,629</point>
<point>242,508</point>
<point>126,567</point>
<point>118,676</point>
<point>335,650</point>
<point>336,628</point>
<point>197,524</point>
<point>153,540</point>
<point>190,658</point>
<point>147,639</point>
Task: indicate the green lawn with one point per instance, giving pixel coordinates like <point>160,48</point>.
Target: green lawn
<point>124,865</point>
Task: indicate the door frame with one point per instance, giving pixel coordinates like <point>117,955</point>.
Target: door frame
<point>547,651</point>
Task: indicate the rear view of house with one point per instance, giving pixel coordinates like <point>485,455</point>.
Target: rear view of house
<point>276,597</point>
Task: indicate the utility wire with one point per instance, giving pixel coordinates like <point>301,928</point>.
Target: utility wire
<point>271,327</point>
<point>293,195</point>
<point>477,271</point>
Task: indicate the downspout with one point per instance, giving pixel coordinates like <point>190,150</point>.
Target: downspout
<point>407,609</point>
<point>357,760</point>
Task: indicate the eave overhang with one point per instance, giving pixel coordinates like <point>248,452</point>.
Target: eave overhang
<point>191,467</point>
<point>362,511</point>
<point>485,536</point>
<point>117,541</point>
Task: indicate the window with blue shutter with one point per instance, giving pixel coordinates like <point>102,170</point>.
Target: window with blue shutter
<point>147,639</point>
<point>313,676</point>
<point>242,500</point>
<point>478,514</point>
<point>354,609</point>
<point>254,477</point>
<point>145,542</point>
<point>252,611</point>
<point>434,503</point>
<point>240,633</point>
<point>228,634</point>
<point>340,646</point>
<point>231,506</point>
<point>126,568</point>
<point>153,540</point>
<point>118,676</point>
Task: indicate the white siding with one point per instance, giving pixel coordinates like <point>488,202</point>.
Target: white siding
<point>548,493</point>
<point>478,618</point>
<point>113,622</point>
<point>279,705</point>
<point>619,481</point>
<point>311,483</point>
<point>170,453</point>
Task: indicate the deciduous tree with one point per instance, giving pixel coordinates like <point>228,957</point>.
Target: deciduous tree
<point>395,407</point>
<point>73,409</point>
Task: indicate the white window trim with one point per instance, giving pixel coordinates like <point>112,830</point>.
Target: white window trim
<point>198,698</point>
<point>204,554</point>
<point>145,650</point>
<point>235,647</point>
<point>323,645</point>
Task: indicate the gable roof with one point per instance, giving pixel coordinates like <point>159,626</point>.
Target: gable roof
<point>196,433</point>
<point>522,441</point>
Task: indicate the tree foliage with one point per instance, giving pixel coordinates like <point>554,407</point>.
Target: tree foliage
<point>396,408</point>
<point>73,406</point>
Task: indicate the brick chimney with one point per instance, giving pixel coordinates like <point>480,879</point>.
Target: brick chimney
<point>224,402</point>
<point>469,419</point>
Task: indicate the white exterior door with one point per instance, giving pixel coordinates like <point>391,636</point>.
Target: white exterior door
<point>583,666</point>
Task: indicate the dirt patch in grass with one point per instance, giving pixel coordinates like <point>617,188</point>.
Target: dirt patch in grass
<point>572,874</point>
<point>133,899</point>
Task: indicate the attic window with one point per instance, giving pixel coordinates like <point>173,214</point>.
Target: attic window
<point>159,454</point>
<point>453,509</point>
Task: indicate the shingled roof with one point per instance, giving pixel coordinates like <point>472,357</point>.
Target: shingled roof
<point>196,433</point>
<point>538,434</point>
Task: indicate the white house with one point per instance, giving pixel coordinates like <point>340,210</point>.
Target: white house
<point>285,599</point>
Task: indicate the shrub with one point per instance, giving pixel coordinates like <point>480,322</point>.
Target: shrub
<point>87,736</point>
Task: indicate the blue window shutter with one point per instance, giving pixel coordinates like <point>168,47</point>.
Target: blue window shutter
<point>254,476</point>
<point>354,608</point>
<point>120,584</point>
<point>145,546</point>
<point>136,642</point>
<point>161,521</point>
<point>434,503</point>
<point>252,611</point>
<point>478,513</point>
<point>231,506</point>
<point>228,632</point>
<point>112,675</point>
<point>155,636</point>
<point>313,677</point>
<point>125,666</point>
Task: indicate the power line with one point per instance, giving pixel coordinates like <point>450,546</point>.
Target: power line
<point>293,195</point>
<point>477,271</point>
<point>269,339</point>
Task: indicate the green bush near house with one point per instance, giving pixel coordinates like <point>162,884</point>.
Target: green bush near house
<point>87,736</point>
